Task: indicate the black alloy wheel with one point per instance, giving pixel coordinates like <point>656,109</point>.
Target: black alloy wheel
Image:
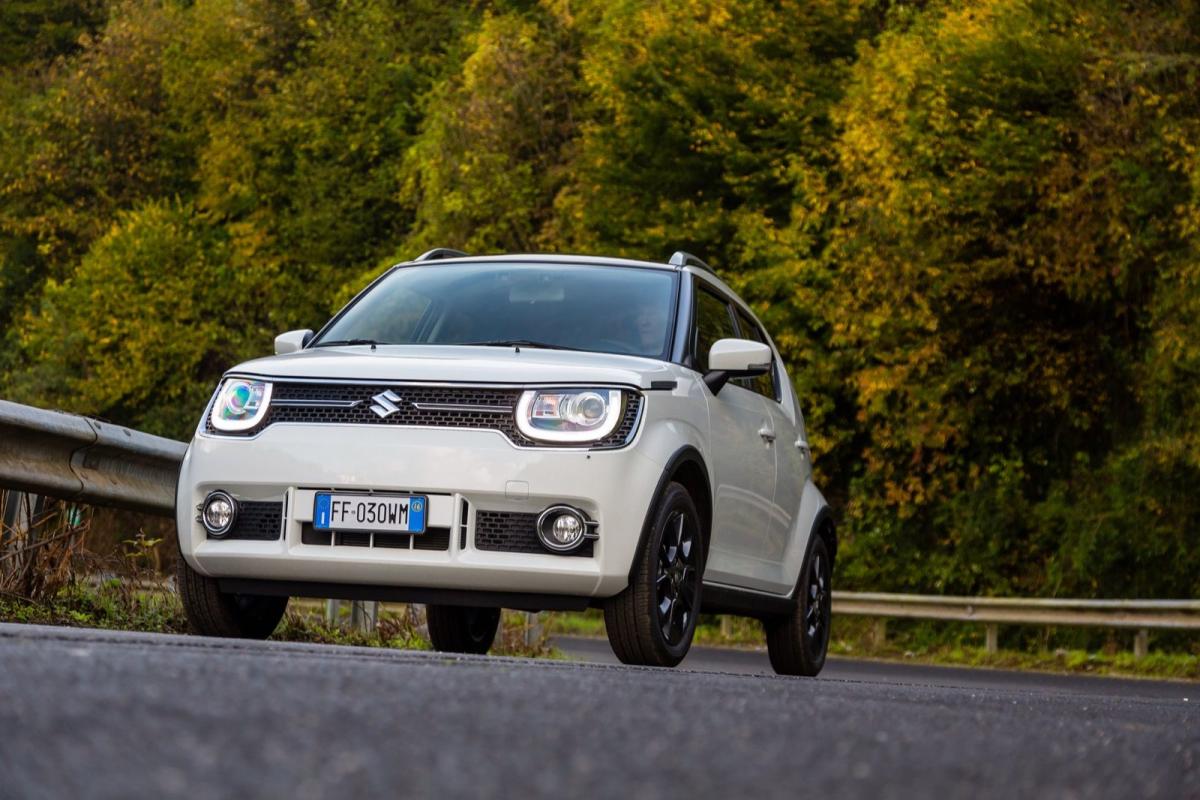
<point>797,643</point>
<point>653,620</point>
<point>676,587</point>
<point>819,608</point>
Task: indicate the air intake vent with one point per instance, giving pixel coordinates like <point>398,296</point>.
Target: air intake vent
<point>431,539</point>
<point>258,521</point>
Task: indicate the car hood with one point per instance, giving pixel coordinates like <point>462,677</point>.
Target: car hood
<point>456,364</point>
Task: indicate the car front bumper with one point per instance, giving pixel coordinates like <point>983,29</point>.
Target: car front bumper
<point>289,463</point>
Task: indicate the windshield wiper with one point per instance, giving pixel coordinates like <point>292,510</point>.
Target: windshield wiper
<point>346,342</point>
<point>517,343</point>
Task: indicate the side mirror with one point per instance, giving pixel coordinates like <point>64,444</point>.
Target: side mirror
<point>292,341</point>
<point>736,358</point>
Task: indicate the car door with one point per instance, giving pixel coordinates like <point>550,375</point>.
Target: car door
<point>743,463</point>
<point>791,462</point>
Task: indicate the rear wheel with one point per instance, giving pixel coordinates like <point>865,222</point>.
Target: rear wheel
<point>462,629</point>
<point>211,612</point>
<point>652,622</point>
<point>797,643</point>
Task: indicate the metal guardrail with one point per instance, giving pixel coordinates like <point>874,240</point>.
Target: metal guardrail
<point>85,460</point>
<point>1162,614</point>
<point>82,459</point>
<point>1142,615</point>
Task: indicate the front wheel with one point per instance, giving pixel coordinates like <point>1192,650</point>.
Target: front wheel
<point>797,642</point>
<point>462,629</point>
<point>211,612</point>
<point>652,622</point>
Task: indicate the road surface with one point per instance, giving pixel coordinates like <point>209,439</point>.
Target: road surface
<point>755,662</point>
<point>88,713</point>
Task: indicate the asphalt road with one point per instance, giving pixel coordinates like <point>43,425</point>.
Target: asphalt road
<point>101,714</point>
<point>755,662</point>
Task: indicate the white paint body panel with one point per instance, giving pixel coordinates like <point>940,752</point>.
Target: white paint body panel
<point>763,522</point>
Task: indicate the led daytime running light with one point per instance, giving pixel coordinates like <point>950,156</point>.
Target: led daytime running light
<point>240,405</point>
<point>569,415</point>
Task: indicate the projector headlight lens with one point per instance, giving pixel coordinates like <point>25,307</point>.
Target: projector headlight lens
<point>241,404</point>
<point>569,415</point>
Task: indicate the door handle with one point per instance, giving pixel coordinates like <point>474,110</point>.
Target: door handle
<point>767,434</point>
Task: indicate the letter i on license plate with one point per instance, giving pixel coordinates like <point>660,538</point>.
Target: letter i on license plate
<point>380,513</point>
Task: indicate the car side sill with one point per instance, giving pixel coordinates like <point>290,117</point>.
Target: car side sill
<point>521,601</point>
<point>719,599</point>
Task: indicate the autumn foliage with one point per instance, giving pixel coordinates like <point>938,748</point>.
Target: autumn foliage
<point>973,226</point>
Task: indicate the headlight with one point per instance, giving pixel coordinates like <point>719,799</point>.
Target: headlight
<point>241,404</point>
<point>569,415</point>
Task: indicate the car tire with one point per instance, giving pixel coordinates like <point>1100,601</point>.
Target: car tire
<point>797,643</point>
<point>653,620</point>
<point>211,612</point>
<point>462,629</point>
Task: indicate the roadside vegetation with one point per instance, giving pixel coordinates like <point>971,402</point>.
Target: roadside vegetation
<point>974,227</point>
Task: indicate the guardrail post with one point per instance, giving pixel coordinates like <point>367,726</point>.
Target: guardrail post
<point>1141,643</point>
<point>533,628</point>
<point>879,633</point>
<point>333,612</point>
<point>364,615</point>
<point>993,639</point>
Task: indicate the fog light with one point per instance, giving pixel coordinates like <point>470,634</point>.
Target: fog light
<point>562,529</point>
<point>219,513</point>
<point>567,529</point>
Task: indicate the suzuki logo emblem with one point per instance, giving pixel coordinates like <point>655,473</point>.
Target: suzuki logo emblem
<point>385,404</point>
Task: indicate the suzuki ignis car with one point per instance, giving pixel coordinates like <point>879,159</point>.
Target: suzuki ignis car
<point>521,431</point>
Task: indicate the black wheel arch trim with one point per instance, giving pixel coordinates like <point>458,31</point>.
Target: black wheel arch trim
<point>685,454</point>
<point>825,517</point>
<point>721,599</point>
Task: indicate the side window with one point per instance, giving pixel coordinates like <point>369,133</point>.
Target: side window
<point>713,321</point>
<point>763,384</point>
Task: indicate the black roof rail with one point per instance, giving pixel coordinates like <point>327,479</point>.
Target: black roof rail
<point>440,252</point>
<point>683,259</point>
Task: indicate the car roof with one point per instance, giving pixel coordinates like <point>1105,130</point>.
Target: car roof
<point>544,258</point>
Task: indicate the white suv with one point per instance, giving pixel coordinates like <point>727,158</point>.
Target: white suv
<point>529,432</point>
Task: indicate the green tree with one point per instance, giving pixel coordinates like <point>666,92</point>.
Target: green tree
<point>492,151</point>
<point>140,331</point>
<point>1009,204</point>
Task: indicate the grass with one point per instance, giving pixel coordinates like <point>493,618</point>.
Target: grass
<point>113,604</point>
<point>118,605</point>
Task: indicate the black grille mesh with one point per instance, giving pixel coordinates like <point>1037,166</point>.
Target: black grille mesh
<point>409,415</point>
<point>512,532</point>
<point>260,521</point>
<point>431,539</point>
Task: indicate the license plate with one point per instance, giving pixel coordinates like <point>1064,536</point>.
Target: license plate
<point>381,513</point>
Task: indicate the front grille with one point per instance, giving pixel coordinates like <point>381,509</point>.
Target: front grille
<point>259,521</point>
<point>431,539</point>
<point>512,532</point>
<point>445,407</point>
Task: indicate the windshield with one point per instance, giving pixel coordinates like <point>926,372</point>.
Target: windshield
<point>568,306</point>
